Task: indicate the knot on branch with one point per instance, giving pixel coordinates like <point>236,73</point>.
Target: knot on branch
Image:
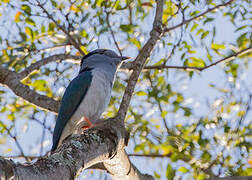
<point>157,29</point>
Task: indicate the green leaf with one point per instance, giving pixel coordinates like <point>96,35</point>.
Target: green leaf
<point>29,32</point>
<point>51,27</point>
<point>11,117</point>
<point>84,34</point>
<point>195,25</point>
<point>23,36</point>
<point>135,42</point>
<point>183,169</point>
<point>126,28</point>
<point>218,46</point>
<point>42,29</point>
<point>208,20</point>
<point>163,114</point>
<point>141,93</point>
<point>41,85</point>
<point>85,17</point>
<point>30,21</point>
<point>242,40</point>
<point>53,3</point>
<point>240,28</point>
<point>170,173</point>
<point>203,35</point>
<point>26,9</point>
<point>194,13</point>
<point>201,176</point>
<point>156,175</point>
<point>198,62</point>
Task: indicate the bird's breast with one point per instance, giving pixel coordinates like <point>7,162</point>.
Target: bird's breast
<point>96,99</point>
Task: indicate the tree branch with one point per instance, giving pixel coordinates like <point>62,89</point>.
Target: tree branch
<point>138,64</point>
<point>12,80</point>
<point>191,68</point>
<point>71,39</point>
<point>14,137</point>
<point>198,16</point>
<point>112,34</point>
<point>102,144</point>
<point>38,64</point>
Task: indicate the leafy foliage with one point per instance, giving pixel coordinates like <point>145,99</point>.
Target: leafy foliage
<point>199,138</point>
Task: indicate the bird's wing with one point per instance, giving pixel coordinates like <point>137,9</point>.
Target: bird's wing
<point>72,98</point>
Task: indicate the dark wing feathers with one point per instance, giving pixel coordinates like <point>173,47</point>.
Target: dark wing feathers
<point>72,98</point>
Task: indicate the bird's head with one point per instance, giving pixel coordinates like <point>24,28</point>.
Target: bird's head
<point>103,56</point>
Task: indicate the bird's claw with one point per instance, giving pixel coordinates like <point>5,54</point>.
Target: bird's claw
<point>90,125</point>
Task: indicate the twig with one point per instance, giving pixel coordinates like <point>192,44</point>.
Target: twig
<point>42,137</point>
<point>245,114</point>
<point>38,64</point>
<point>228,58</point>
<point>159,105</point>
<point>15,139</point>
<point>39,122</point>
<point>71,39</point>
<point>198,16</point>
<point>112,33</point>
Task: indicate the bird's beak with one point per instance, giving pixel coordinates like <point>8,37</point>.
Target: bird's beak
<point>123,58</point>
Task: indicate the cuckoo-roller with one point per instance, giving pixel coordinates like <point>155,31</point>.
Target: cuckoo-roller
<point>87,95</point>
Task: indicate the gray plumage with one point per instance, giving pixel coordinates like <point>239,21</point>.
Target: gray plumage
<point>88,94</point>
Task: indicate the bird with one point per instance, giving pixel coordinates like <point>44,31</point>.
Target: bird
<point>87,95</point>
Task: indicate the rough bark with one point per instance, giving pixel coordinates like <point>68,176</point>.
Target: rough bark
<point>138,64</point>
<point>102,144</point>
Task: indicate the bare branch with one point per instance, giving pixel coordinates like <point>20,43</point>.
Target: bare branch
<point>12,80</point>
<point>15,140</point>
<point>112,34</point>
<point>198,16</point>
<point>38,64</point>
<point>71,39</point>
<point>191,68</point>
<point>138,64</point>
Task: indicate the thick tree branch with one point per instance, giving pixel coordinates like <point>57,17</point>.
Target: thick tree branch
<point>12,80</point>
<point>198,16</point>
<point>141,59</point>
<point>102,144</point>
<point>38,64</point>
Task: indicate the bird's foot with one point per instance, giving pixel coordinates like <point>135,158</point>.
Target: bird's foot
<point>90,125</point>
